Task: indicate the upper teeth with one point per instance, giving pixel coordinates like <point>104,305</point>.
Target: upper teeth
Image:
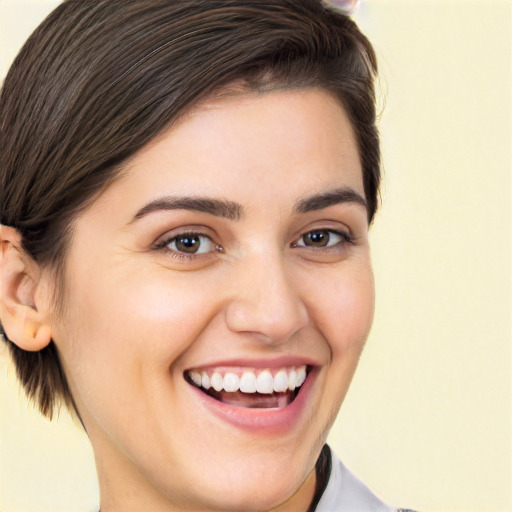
<point>247,381</point>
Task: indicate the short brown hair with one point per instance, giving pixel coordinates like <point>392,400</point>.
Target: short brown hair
<point>99,79</point>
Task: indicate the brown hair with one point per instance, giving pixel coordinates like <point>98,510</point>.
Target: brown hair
<point>99,79</point>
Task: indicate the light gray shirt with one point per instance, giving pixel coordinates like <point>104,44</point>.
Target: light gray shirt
<point>346,493</point>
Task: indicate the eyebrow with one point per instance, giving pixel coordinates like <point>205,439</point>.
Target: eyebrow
<point>326,199</point>
<point>216,207</point>
<point>234,211</point>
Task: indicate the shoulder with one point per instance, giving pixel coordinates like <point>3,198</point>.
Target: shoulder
<point>346,493</point>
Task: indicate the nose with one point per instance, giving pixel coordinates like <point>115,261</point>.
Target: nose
<point>266,301</point>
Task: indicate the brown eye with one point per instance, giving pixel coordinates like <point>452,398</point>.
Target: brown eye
<point>322,238</point>
<point>191,243</point>
<point>316,238</point>
<point>188,243</point>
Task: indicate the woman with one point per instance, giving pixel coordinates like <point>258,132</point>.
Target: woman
<point>186,193</point>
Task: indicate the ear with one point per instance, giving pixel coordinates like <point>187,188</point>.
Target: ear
<point>23,322</point>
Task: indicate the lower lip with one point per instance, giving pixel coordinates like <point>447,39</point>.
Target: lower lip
<point>261,421</point>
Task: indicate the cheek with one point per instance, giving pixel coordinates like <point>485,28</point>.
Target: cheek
<point>158,307</point>
<point>344,309</point>
<point>343,313</point>
<point>120,330</point>
<point>118,342</point>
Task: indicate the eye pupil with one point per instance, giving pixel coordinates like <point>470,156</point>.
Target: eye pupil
<point>188,243</point>
<point>317,238</point>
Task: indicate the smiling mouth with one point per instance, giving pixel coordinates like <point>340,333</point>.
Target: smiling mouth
<point>250,388</point>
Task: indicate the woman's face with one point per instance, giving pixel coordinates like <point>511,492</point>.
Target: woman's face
<point>232,254</point>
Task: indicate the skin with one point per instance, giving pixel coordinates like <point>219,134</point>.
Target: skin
<point>139,313</point>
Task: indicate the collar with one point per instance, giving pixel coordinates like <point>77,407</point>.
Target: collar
<point>346,493</point>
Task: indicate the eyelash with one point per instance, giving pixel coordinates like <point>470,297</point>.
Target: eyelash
<point>164,246</point>
<point>345,239</point>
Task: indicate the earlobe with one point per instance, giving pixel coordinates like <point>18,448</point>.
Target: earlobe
<point>23,323</point>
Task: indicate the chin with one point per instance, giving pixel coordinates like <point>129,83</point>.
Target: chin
<point>263,489</point>
<point>245,478</point>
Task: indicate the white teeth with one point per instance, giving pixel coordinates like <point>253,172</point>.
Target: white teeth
<point>217,381</point>
<point>205,381</point>
<point>196,378</point>
<point>301,375</point>
<point>292,380</point>
<point>264,383</point>
<point>285,379</point>
<point>231,382</point>
<point>248,383</point>
<point>280,381</point>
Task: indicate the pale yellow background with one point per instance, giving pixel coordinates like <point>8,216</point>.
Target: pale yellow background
<point>427,423</point>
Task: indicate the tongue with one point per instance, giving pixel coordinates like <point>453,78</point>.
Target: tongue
<point>254,400</point>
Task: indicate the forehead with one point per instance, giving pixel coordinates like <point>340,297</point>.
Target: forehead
<point>249,147</point>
